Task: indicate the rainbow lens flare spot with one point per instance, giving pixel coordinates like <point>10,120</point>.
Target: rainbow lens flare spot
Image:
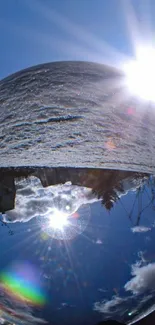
<point>22,288</point>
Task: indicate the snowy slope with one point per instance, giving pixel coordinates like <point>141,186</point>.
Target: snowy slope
<point>74,114</point>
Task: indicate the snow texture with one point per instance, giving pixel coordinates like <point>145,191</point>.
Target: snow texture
<point>74,114</point>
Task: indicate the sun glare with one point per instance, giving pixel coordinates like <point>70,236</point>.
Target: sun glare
<point>140,74</point>
<point>58,220</point>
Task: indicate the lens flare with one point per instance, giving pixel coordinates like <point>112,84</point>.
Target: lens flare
<point>64,225</point>
<point>140,74</point>
<point>58,220</point>
<point>22,287</point>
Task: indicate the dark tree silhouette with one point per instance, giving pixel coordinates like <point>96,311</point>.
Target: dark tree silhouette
<point>105,184</point>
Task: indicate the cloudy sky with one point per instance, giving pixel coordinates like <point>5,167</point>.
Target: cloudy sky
<point>113,236</point>
<point>32,199</point>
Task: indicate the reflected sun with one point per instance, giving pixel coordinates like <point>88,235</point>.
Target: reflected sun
<point>58,220</point>
<point>140,74</point>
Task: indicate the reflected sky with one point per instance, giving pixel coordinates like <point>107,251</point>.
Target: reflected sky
<point>49,278</point>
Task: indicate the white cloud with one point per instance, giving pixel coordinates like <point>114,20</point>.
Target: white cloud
<point>139,303</point>
<point>99,241</point>
<point>143,279</point>
<point>108,306</point>
<point>117,308</point>
<point>102,290</point>
<point>12,310</point>
<point>32,199</point>
<point>140,229</point>
<point>141,255</point>
<point>128,308</point>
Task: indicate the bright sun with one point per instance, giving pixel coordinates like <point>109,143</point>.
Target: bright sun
<point>58,220</point>
<point>140,74</point>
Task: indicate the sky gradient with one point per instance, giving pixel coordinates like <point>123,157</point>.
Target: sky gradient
<point>34,32</point>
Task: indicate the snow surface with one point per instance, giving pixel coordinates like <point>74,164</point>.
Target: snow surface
<point>74,114</point>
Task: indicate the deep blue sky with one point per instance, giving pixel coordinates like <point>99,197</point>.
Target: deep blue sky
<point>37,31</point>
<point>119,249</point>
